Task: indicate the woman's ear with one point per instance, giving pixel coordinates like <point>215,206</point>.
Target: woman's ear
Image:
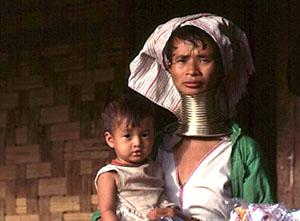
<point>109,139</point>
<point>168,66</point>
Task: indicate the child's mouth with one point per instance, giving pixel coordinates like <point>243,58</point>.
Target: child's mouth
<point>137,153</point>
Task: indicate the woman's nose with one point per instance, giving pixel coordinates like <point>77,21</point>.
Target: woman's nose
<point>193,68</point>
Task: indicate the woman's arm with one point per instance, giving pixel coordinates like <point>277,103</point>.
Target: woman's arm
<point>248,174</point>
<point>107,190</point>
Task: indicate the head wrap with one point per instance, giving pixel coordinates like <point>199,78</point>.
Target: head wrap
<point>149,77</point>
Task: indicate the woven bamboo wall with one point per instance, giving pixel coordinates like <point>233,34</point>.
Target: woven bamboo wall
<point>58,62</point>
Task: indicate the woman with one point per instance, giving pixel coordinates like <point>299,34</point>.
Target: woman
<point>197,67</point>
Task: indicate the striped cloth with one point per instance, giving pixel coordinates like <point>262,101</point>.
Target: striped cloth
<point>149,77</point>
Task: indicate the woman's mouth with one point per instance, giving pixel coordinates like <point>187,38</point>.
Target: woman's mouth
<point>192,84</point>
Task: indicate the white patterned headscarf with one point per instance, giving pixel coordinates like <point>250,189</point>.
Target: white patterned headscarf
<point>149,77</point>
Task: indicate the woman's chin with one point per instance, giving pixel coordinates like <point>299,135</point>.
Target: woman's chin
<point>197,92</point>
<point>192,92</point>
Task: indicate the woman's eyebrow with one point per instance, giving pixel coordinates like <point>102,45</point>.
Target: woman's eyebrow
<point>181,56</point>
<point>205,55</point>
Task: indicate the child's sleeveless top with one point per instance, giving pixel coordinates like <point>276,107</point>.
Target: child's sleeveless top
<point>200,196</point>
<point>140,189</point>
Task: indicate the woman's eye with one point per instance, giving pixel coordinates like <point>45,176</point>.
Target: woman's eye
<point>127,136</point>
<point>181,61</point>
<point>204,60</point>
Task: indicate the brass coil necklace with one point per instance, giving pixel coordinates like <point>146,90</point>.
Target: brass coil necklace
<point>199,116</point>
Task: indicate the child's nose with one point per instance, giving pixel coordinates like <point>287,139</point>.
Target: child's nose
<point>137,141</point>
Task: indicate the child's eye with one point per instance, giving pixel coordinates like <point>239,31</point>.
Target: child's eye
<point>146,135</point>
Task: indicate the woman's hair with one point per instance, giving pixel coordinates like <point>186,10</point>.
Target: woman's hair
<point>133,108</point>
<point>194,35</point>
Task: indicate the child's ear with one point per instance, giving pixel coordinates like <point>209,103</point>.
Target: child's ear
<point>109,139</point>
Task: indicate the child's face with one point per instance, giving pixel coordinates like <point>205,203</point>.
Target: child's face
<point>131,144</point>
<point>194,69</point>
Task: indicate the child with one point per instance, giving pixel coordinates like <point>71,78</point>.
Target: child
<point>131,186</point>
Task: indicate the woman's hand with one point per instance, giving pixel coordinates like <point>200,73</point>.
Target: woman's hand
<point>157,213</point>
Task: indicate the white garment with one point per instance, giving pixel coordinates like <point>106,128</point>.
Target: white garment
<point>200,196</point>
<point>140,190</point>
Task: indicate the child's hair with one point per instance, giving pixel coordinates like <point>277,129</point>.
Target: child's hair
<point>194,35</point>
<point>133,108</point>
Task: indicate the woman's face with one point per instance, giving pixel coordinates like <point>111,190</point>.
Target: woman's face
<point>194,69</point>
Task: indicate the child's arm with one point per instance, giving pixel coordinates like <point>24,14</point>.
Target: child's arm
<point>107,190</point>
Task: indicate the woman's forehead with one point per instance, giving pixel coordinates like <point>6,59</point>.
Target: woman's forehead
<point>185,46</point>
<point>201,43</point>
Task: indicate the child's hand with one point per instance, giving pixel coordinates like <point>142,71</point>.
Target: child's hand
<point>157,213</point>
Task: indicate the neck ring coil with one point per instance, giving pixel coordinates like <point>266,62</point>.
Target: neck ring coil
<point>199,116</point>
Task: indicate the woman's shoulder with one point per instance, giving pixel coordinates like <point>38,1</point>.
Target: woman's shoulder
<point>164,136</point>
<point>168,129</point>
<point>243,144</point>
